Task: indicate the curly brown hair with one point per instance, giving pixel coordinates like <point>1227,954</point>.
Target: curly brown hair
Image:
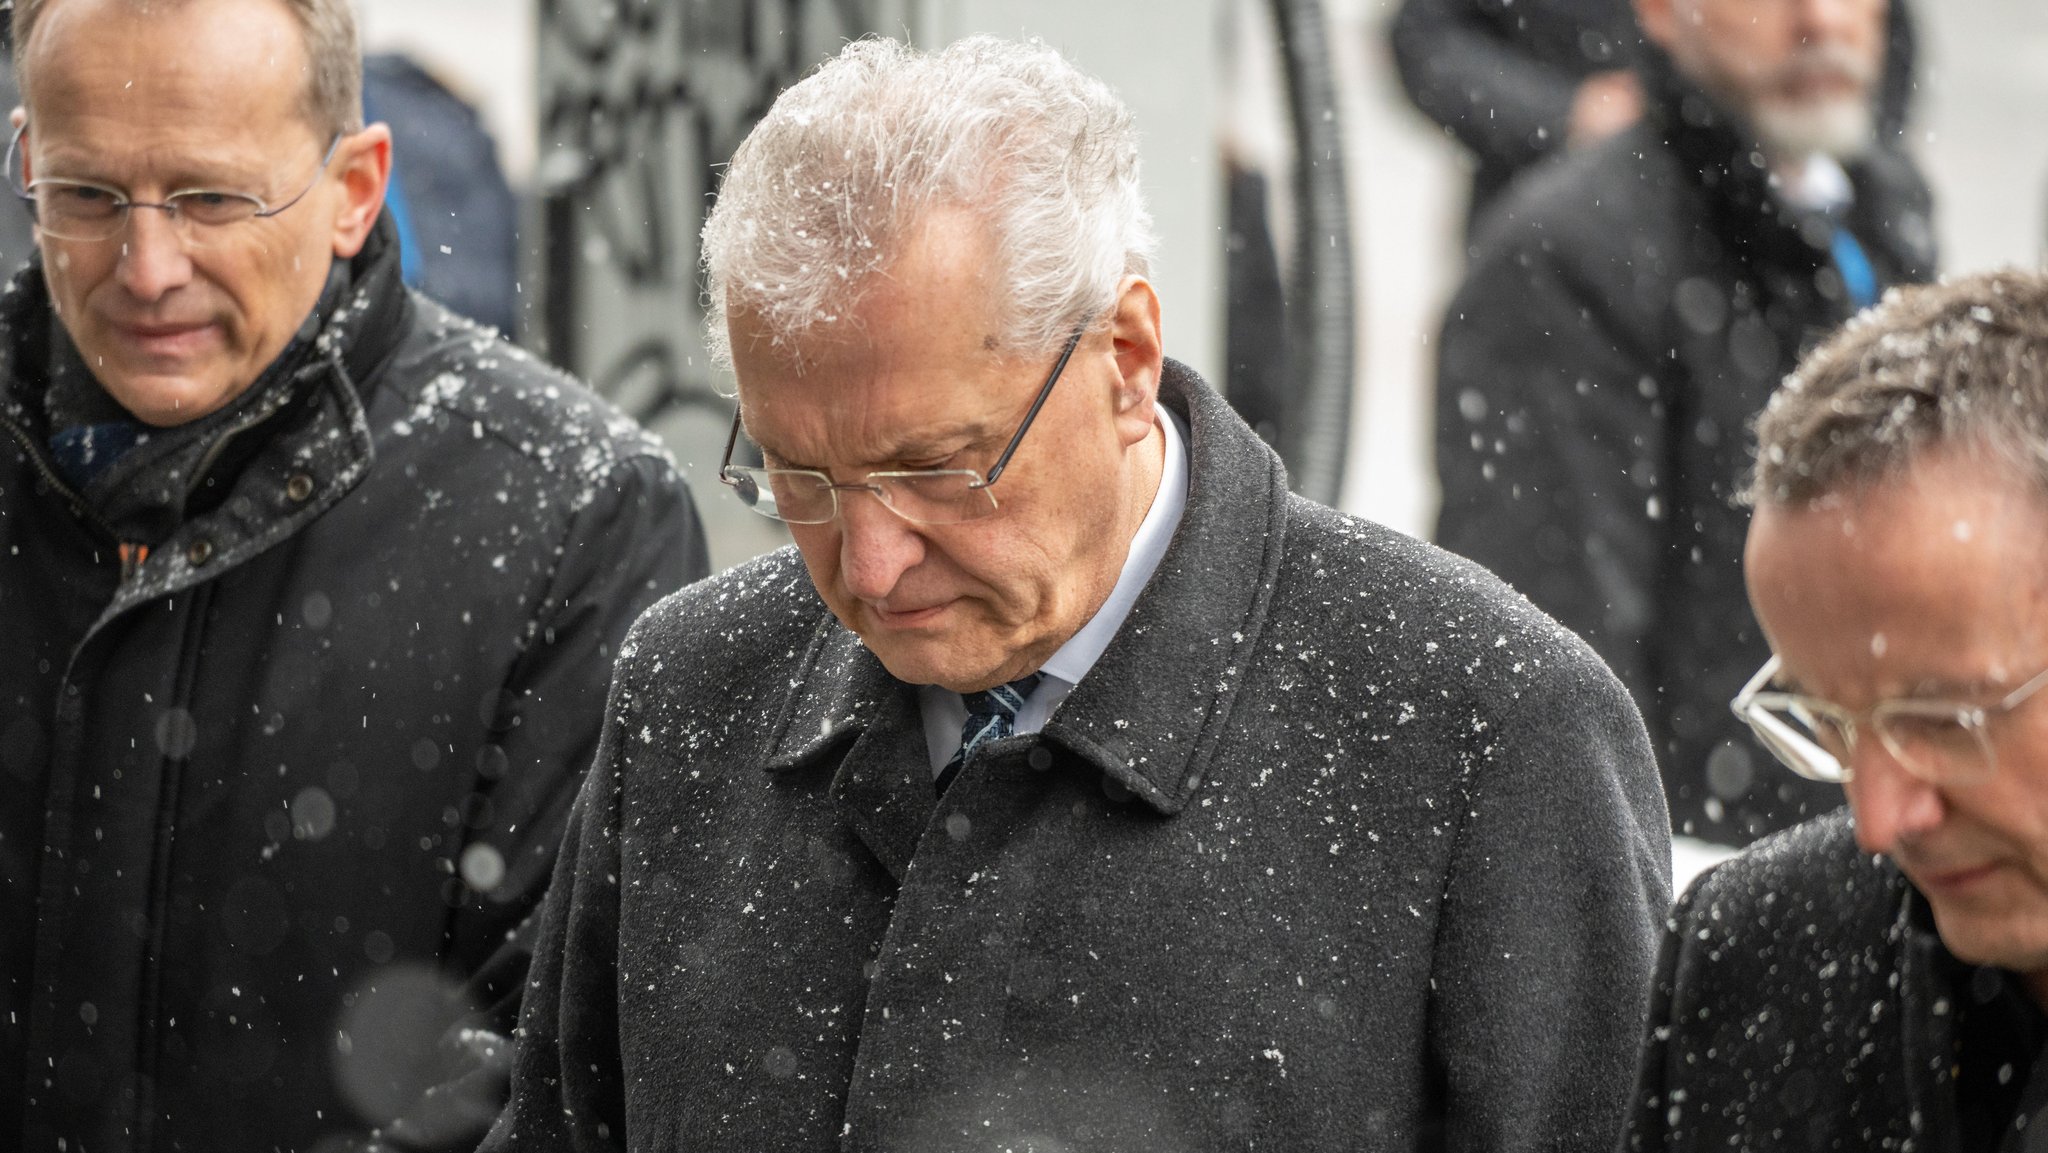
<point>1963,361</point>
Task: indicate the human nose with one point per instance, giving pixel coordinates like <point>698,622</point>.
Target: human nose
<point>1890,804</point>
<point>153,256</point>
<point>876,546</point>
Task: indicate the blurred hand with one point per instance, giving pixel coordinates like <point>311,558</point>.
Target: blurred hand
<point>1605,103</point>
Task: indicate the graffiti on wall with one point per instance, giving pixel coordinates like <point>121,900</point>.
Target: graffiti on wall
<point>641,101</point>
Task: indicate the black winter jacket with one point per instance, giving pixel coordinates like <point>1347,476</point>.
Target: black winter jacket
<point>270,791</point>
<point>1628,311</point>
<point>1805,1002</point>
<point>1339,846</point>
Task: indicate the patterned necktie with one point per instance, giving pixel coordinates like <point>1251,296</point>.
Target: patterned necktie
<point>991,716</point>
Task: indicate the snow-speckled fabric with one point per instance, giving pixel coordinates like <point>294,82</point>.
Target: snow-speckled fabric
<point>1340,845</point>
<point>270,790</point>
<point>1801,1003</point>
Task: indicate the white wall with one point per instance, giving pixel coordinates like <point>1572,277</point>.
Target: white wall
<point>1983,129</point>
<point>483,49</point>
<point>1163,61</point>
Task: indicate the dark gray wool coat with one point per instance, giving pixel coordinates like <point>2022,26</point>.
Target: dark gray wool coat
<point>1627,312</point>
<point>1804,1001</point>
<point>1340,846</point>
<point>268,793</point>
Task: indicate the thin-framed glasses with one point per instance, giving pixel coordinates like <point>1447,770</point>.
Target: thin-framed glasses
<point>1940,742</point>
<point>926,496</point>
<point>84,211</point>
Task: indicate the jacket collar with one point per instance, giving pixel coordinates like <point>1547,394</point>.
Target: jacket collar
<point>1724,158</point>
<point>1722,155</point>
<point>1927,1024</point>
<point>1196,625</point>
<point>314,425</point>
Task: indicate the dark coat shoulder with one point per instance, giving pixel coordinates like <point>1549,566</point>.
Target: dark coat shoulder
<point>1794,1007</point>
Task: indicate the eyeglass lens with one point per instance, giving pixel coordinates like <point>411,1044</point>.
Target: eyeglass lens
<point>1934,745</point>
<point>809,498</point>
<point>86,212</point>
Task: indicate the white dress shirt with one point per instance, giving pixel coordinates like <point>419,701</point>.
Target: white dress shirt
<point>945,713</point>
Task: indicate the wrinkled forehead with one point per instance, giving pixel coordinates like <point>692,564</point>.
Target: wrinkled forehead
<point>886,385</point>
<point>1952,534</point>
<point>138,61</point>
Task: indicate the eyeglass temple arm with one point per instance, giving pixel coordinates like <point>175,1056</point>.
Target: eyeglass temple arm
<point>1740,704</point>
<point>325,160</point>
<point>18,187</point>
<point>2013,699</point>
<point>732,440</point>
<point>1059,366</point>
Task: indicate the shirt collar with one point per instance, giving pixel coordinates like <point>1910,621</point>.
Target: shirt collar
<point>1821,185</point>
<point>1073,659</point>
<point>944,712</point>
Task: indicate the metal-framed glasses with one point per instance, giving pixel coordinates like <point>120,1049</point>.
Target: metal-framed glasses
<point>1940,742</point>
<point>84,211</point>
<point>926,496</point>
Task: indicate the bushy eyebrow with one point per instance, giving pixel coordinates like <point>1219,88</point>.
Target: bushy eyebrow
<point>925,444</point>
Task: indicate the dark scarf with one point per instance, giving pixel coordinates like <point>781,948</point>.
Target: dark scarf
<point>1725,157</point>
<point>142,479</point>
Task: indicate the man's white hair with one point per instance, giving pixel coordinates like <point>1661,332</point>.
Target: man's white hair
<point>827,189</point>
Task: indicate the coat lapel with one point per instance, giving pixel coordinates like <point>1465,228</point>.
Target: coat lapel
<point>844,704</point>
<point>1193,630</point>
<point>1198,623</point>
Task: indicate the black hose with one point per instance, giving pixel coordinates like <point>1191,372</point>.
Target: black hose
<point>1322,303</point>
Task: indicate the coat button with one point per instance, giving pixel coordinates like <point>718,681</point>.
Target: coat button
<point>299,487</point>
<point>199,552</point>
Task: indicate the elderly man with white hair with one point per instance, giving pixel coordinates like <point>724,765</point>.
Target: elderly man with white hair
<point>1068,784</point>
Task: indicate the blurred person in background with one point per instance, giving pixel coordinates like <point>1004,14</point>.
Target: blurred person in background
<point>1627,311</point>
<point>1876,979</point>
<point>1068,783</point>
<point>1517,81</point>
<point>457,218</point>
<point>309,590</point>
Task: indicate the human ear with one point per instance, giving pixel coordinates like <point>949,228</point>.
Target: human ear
<point>1139,344</point>
<point>364,160</point>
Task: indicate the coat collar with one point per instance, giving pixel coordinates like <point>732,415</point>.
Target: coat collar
<point>1724,159</point>
<point>312,423</point>
<point>1196,625</point>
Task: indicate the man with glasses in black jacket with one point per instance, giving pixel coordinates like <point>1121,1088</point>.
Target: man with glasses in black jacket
<point>309,591</point>
<point>1875,979</point>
